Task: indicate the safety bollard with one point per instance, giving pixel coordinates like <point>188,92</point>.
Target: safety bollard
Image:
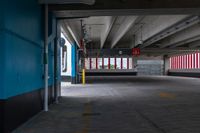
<point>83,76</point>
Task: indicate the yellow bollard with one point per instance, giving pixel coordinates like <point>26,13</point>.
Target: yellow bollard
<point>83,76</point>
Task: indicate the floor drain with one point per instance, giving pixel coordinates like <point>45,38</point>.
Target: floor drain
<point>91,114</point>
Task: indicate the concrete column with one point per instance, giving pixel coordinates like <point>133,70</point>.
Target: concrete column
<point>74,71</point>
<point>134,63</point>
<point>166,64</point>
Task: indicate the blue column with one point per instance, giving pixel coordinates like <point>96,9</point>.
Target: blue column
<point>2,66</point>
<point>74,72</point>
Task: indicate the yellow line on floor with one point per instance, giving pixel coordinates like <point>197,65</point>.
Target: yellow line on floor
<point>86,118</point>
<point>167,95</point>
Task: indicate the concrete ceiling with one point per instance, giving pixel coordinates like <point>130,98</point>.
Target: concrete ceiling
<point>127,23</point>
<point>155,31</point>
<point>127,7</point>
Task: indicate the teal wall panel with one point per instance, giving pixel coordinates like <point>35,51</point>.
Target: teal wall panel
<point>24,17</point>
<point>2,66</point>
<point>21,49</point>
<point>23,66</point>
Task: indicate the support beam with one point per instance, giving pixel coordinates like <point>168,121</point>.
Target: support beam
<point>167,51</point>
<point>190,40</point>
<point>172,29</point>
<point>66,14</point>
<point>108,28</point>
<point>132,4</point>
<point>70,29</point>
<point>123,29</point>
<point>46,49</point>
<point>181,36</point>
<point>121,63</point>
<point>195,44</point>
<point>66,32</point>
<point>115,63</point>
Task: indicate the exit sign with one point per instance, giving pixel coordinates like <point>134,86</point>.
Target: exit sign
<point>136,51</point>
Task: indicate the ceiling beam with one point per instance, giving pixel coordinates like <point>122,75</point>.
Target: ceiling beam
<point>72,32</point>
<point>185,35</point>
<point>131,4</point>
<point>122,12</point>
<point>108,28</point>
<point>194,44</point>
<point>183,49</point>
<point>125,26</point>
<point>190,40</point>
<point>167,51</point>
<point>66,33</point>
<point>179,26</point>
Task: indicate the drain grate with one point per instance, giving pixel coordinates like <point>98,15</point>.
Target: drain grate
<point>91,114</point>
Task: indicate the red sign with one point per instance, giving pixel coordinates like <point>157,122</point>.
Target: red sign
<point>136,51</point>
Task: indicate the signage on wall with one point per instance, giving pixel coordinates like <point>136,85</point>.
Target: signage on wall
<point>136,51</point>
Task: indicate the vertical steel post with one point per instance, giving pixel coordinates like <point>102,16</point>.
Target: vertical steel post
<point>178,62</point>
<point>96,63</point>
<point>46,60</point>
<point>133,62</point>
<point>191,60</point>
<point>172,63</point>
<point>109,63</point>
<point>90,63</point>
<point>55,70</point>
<point>102,63</point>
<point>185,62</point>
<point>127,63</point>
<point>188,62</point>
<point>115,63</point>
<point>121,63</point>
<point>197,60</point>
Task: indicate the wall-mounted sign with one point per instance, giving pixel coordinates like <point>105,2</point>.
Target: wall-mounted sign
<point>136,51</point>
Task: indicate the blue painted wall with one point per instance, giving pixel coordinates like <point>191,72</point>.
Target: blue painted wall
<point>21,49</point>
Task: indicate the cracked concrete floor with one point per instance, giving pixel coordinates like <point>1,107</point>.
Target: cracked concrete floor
<point>123,105</point>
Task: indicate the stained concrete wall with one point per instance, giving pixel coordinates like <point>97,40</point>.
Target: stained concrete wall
<point>150,67</point>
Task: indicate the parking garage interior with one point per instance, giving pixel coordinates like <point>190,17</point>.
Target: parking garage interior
<point>87,66</point>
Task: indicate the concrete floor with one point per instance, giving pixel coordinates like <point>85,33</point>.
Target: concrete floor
<point>123,105</point>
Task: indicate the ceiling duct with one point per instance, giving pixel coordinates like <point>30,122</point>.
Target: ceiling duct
<point>87,2</point>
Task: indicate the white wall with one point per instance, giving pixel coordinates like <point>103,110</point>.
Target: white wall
<point>68,56</point>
